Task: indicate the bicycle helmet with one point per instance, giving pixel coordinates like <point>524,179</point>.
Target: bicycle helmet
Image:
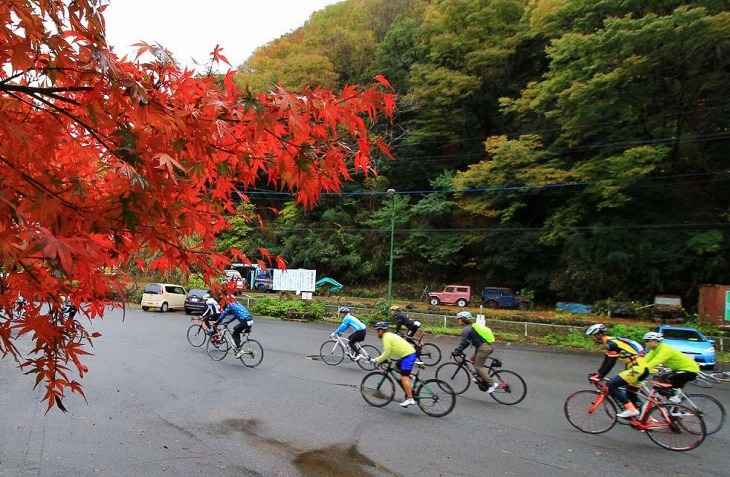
<point>596,329</point>
<point>344,309</point>
<point>464,315</point>
<point>653,335</point>
<point>394,308</point>
<point>381,325</point>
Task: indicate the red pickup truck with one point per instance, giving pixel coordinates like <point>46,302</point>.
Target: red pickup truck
<point>458,295</point>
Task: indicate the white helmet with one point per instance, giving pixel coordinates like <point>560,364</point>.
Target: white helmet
<point>653,335</point>
<point>464,315</point>
<point>596,329</point>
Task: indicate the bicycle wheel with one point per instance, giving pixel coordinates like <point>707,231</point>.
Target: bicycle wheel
<point>367,352</point>
<point>377,389</point>
<point>435,397</point>
<point>253,353</point>
<point>590,411</point>
<point>430,354</point>
<point>511,387</point>
<point>331,352</point>
<point>678,427</point>
<point>218,348</point>
<point>455,376</point>
<point>196,335</point>
<point>709,408</point>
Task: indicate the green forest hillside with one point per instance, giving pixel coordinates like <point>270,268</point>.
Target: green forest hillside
<point>579,149</point>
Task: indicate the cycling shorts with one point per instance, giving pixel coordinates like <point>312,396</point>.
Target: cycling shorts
<point>406,364</point>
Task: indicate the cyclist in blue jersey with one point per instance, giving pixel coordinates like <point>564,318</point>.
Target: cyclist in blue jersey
<point>358,336</point>
<point>245,321</point>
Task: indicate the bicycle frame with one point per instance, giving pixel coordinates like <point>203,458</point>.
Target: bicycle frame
<point>652,398</point>
<point>469,366</point>
<point>343,342</point>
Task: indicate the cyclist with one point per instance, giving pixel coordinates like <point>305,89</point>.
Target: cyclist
<point>245,321</point>
<point>635,371</point>
<point>683,369</point>
<point>395,345</point>
<point>401,319</point>
<point>358,335</point>
<point>212,312</point>
<point>481,337</point>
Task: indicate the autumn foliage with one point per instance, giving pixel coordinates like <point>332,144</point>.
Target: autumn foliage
<point>104,160</point>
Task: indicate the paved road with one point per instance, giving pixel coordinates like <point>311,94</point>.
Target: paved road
<point>157,406</point>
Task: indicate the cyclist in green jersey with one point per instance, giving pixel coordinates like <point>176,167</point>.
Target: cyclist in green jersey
<point>395,345</point>
<point>683,368</point>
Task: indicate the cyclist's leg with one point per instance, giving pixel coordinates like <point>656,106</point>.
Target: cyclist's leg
<point>237,333</point>
<point>405,366</point>
<point>616,387</point>
<point>631,378</point>
<point>355,338</point>
<point>480,357</point>
<point>632,392</point>
<point>679,378</point>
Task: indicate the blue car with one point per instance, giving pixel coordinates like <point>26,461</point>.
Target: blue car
<point>690,342</point>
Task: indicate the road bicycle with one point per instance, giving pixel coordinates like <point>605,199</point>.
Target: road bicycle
<point>708,380</point>
<point>433,396</point>
<point>511,388</point>
<point>198,332</point>
<point>710,409</point>
<point>334,350</point>
<point>672,426</point>
<point>428,353</point>
<point>219,345</point>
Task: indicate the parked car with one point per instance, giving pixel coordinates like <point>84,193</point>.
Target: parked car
<point>235,277</point>
<point>458,295</point>
<point>690,342</point>
<point>194,301</point>
<point>165,296</point>
<point>497,297</point>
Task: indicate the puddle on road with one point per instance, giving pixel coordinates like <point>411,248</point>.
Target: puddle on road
<point>329,462</point>
<point>337,461</point>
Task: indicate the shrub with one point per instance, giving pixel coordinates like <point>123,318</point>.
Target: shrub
<point>274,306</point>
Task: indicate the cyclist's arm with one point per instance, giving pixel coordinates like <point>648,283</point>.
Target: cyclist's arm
<point>345,324</point>
<point>387,349</point>
<point>223,314</point>
<point>464,343</point>
<point>609,360</point>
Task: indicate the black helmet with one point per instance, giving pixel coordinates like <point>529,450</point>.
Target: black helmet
<point>381,325</point>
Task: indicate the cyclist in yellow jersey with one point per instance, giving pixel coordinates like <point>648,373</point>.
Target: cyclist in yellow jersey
<point>683,368</point>
<point>394,345</point>
<point>635,372</point>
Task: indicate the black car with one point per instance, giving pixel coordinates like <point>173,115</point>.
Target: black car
<point>194,302</point>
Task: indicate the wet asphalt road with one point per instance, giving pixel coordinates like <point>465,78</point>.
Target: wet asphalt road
<point>157,406</point>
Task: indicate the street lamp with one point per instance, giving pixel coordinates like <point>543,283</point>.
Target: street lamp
<point>391,193</point>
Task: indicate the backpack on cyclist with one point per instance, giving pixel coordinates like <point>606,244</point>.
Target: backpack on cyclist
<point>484,331</point>
<point>633,344</point>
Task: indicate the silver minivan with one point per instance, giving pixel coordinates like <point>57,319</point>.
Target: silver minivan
<point>164,296</point>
